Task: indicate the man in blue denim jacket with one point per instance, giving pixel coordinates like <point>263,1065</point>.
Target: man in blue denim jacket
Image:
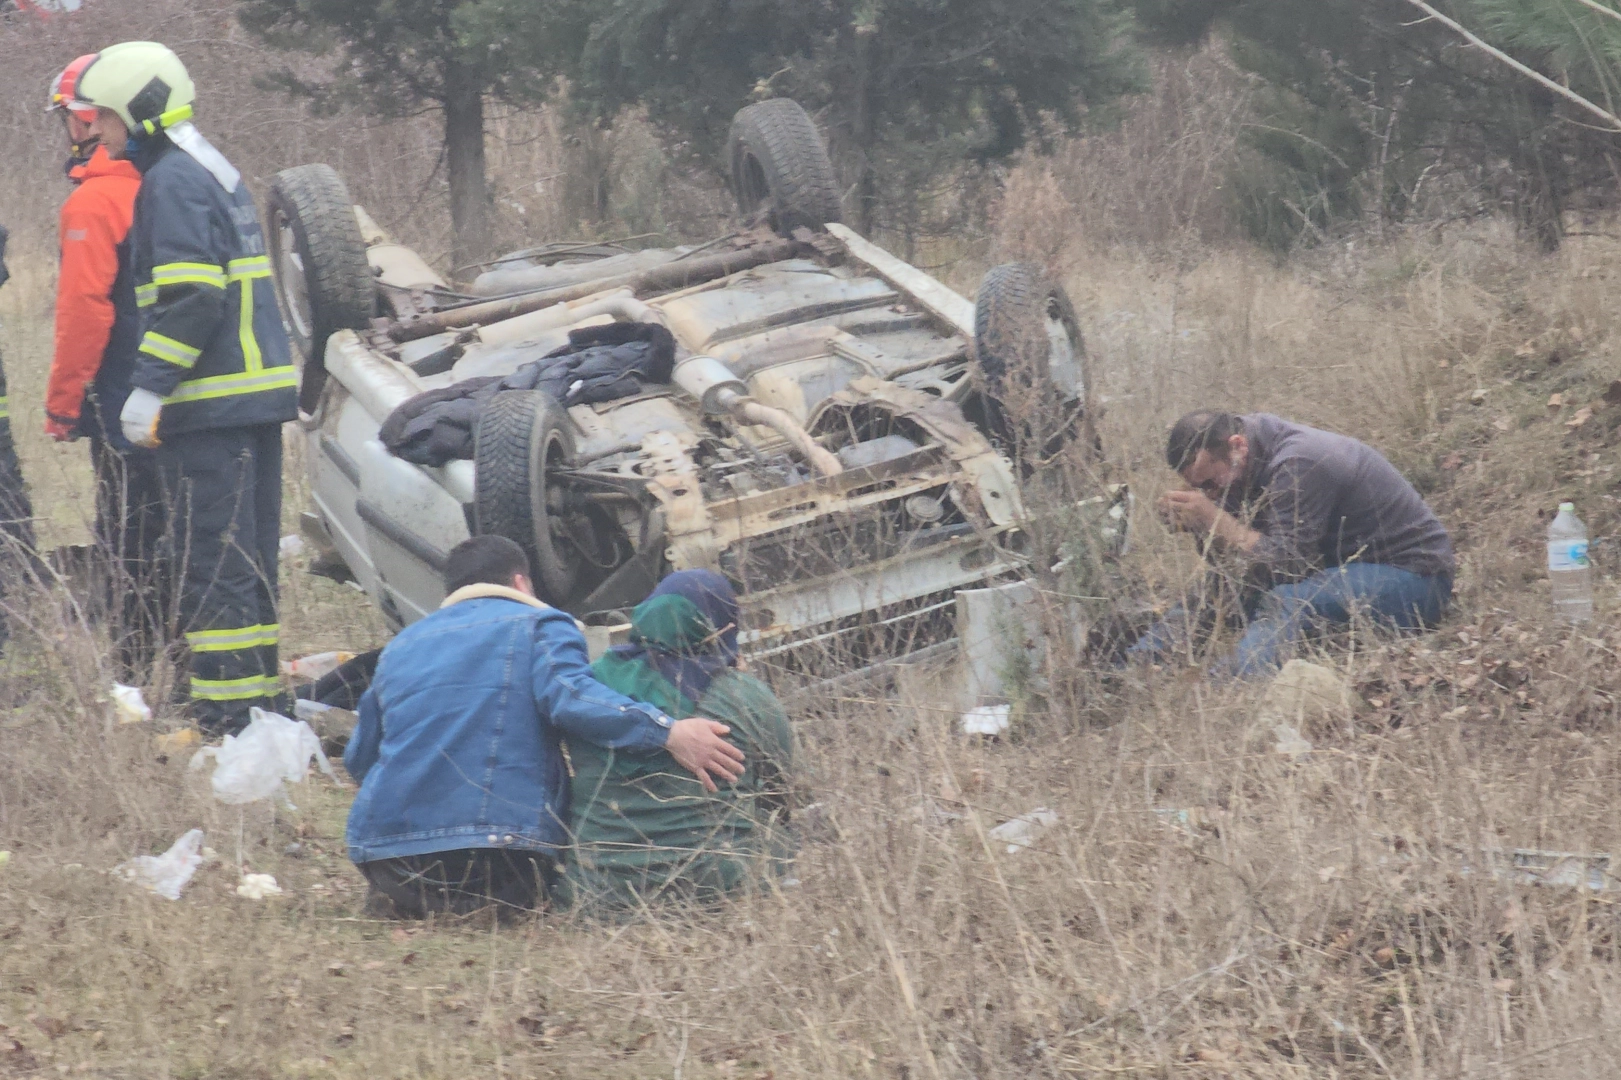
<point>463,787</point>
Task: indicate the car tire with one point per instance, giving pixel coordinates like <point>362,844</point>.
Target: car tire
<point>323,280</point>
<point>1031,361</point>
<point>780,166</point>
<point>520,435</point>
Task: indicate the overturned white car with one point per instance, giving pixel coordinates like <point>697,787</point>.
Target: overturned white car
<point>839,434</point>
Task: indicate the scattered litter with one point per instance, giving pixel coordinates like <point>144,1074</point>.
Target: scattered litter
<point>172,742</point>
<point>1290,742</point>
<point>168,873</point>
<point>5,857</point>
<point>1583,415</point>
<point>254,764</point>
<point>304,709</point>
<point>290,545</point>
<point>1558,869</point>
<point>1021,831</point>
<point>1555,402</point>
<point>128,704</point>
<point>314,667</point>
<point>355,585</point>
<point>258,886</point>
<point>985,720</point>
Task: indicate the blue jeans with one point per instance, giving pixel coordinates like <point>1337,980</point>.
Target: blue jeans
<point>1279,617</point>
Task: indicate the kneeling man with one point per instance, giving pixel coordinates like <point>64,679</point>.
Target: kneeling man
<point>463,788</point>
<point>1324,526</point>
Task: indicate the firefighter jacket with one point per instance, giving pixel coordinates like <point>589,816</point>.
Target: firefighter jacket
<point>96,319</point>
<point>212,342</point>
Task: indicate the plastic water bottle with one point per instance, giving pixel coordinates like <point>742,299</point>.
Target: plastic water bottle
<point>1568,566</point>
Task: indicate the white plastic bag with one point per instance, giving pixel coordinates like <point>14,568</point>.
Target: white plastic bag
<point>253,765</point>
<point>1020,833</point>
<point>128,704</point>
<point>168,873</point>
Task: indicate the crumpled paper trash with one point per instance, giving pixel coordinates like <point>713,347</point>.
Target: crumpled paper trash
<point>256,764</point>
<point>168,873</point>
<point>258,886</point>
<point>1021,831</point>
<point>128,704</point>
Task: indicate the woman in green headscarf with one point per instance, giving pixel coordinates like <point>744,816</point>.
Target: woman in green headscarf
<point>644,829</point>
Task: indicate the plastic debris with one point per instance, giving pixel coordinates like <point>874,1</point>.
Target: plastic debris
<point>128,704</point>
<point>258,886</point>
<point>1021,831</point>
<point>314,667</point>
<point>172,742</point>
<point>1290,742</point>
<point>255,764</point>
<point>304,709</point>
<point>5,857</point>
<point>985,720</point>
<point>290,545</point>
<point>168,873</point>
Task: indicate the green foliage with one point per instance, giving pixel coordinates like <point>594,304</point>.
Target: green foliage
<point>1370,107</point>
<point>396,55</point>
<point>906,88</point>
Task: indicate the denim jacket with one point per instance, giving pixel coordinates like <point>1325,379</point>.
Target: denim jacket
<point>458,743</point>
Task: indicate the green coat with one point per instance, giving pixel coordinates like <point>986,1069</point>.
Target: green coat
<point>645,829</point>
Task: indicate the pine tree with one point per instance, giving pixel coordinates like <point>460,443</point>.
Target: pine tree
<point>1370,102</point>
<point>401,56</point>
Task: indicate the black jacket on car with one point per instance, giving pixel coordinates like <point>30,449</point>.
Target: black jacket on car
<point>212,342</point>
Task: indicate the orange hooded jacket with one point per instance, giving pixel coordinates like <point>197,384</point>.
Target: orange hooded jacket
<point>95,291</point>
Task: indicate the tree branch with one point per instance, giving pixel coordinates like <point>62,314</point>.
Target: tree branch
<point>1596,6</point>
<point>1530,73</point>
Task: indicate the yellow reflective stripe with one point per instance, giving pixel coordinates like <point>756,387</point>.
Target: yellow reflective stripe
<point>247,637</point>
<point>241,269</point>
<point>218,386</point>
<point>234,689</point>
<point>188,273</point>
<point>146,295</point>
<point>253,361</point>
<point>5,408</point>
<point>167,348</point>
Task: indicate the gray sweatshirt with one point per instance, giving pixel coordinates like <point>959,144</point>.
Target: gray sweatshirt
<point>1320,499</point>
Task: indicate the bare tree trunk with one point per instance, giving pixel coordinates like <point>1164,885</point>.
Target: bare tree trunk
<point>866,133</point>
<point>470,203</point>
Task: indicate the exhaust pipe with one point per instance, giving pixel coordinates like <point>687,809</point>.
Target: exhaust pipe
<point>722,393</point>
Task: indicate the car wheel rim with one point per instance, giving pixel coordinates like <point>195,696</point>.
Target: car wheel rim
<point>1063,354</point>
<point>291,280</point>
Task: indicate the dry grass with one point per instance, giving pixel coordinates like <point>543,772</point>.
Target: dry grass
<point>1319,917</point>
<point>1308,918</point>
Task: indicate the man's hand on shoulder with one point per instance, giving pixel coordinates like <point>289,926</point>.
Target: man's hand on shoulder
<point>700,747</point>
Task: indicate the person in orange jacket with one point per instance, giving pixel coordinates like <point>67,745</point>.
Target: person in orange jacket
<point>96,339</point>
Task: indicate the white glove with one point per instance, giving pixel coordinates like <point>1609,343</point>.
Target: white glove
<point>139,418</point>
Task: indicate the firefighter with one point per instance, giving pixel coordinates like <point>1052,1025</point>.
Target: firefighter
<point>90,371</point>
<point>213,379</point>
<point>17,555</point>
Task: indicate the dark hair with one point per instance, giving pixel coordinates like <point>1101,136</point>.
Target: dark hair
<point>484,560</point>
<point>1205,429</point>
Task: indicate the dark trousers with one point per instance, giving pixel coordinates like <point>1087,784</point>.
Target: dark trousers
<point>463,881</point>
<point>129,535</point>
<point>18,559</point>
<point>222,490</point>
